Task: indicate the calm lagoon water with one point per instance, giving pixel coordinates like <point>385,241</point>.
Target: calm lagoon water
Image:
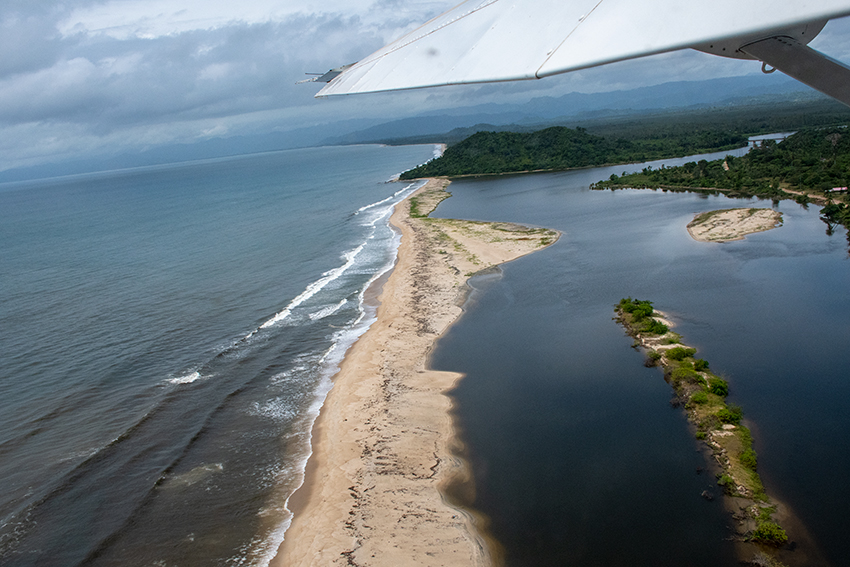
<point>578,457</point>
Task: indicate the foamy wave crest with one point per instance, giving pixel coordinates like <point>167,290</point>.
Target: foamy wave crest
<point>327,311</point>
<point>326,365</point>
<point>277,409</point>
<point>439,149</point>
<point>293,374</point>
<point>186,378</point>
<point>373,205</point>
<point>314,287</point>
<point>387,200</point>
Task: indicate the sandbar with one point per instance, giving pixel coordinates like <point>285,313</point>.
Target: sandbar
<point>382,444</point>
<point>732,224</point>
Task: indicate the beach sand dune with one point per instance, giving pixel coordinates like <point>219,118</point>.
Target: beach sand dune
<point>382,442</point>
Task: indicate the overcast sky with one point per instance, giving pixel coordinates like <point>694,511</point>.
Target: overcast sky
<point>88,77</point>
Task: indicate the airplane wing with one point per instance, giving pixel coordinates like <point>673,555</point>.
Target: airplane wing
<point>482,41</point>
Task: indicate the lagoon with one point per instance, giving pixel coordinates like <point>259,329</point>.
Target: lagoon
<point>578,457</point>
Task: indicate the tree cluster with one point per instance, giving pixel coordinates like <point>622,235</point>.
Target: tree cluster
<point>560,148</point>
<point>810,160</point>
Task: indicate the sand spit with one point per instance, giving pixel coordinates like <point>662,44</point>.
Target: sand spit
<point>381,445</point>
<point>757,519</point>
<point>732,224</point>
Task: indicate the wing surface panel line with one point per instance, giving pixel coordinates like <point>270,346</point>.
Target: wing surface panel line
<point>563,41</point>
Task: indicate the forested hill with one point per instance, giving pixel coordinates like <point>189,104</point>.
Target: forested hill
<point>560,148</point>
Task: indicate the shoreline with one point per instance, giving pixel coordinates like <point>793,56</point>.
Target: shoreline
<point>384,445</point>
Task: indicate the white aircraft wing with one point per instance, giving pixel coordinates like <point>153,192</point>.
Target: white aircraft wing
<point>506,40</point>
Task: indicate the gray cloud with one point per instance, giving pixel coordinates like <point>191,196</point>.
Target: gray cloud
<point>72,83</point>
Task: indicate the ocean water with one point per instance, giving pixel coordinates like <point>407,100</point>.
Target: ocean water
<point>577,455</point>
<point>168,335</point>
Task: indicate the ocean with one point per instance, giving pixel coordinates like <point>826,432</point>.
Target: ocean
<point>169,334</point>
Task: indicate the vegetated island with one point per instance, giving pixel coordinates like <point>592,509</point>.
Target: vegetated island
<point>732,224</point>
<point>374,491</point>
<point>559,148</point>
<point>703,395</point>
<point>811,166</point>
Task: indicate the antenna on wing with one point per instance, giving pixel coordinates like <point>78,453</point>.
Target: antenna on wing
<point>326,77</point>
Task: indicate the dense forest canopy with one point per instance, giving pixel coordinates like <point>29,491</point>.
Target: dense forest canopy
<point>560,148</point>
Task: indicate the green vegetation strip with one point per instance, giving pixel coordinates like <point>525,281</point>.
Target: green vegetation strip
<point>805,167</point>
<point>718,425</point>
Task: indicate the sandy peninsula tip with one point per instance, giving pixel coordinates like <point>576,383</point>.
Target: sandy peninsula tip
<point>381,451</point>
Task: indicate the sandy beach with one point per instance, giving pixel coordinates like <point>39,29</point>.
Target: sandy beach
<point>381,446</point>
<point>732,224</point>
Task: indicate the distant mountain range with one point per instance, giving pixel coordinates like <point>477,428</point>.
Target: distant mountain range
<point>579,108</point>
<point>454,124</point>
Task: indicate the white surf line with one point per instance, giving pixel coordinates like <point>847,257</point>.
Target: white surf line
<point>315,287</point>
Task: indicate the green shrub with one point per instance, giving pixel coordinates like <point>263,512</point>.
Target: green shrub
<point>699,397</point>
<point>718,386</point>
<point>731,414</point>
<point>680,353</point>
<point>639,309</point>
<point>681,373</point>
<point>652,358</point>
<point>770,533</point>
<point>700,435</point>
<point>765,513</point>
<point>727,483</point>
<point>700,365</point>
<point>654,327</point>
<point>748,459</point>
<point>672,338</point>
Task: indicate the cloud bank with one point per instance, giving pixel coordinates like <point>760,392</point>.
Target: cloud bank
<point>87,76</point>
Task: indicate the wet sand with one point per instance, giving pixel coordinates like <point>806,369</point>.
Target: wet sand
<point>382,444</point>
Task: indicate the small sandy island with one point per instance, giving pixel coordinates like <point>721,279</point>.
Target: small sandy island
<point>382,442</point>
<point>732,224</point>
<point>758,522</point>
